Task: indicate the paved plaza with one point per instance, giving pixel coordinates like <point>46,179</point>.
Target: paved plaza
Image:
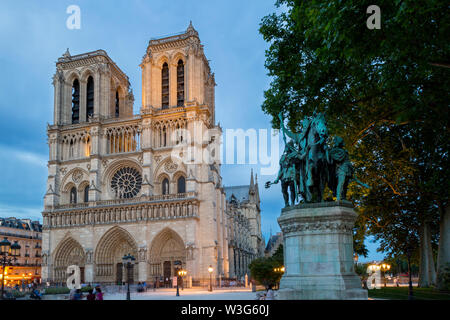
<point>170,294</point>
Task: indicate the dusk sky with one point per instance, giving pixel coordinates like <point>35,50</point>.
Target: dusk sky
<point>33,34</point>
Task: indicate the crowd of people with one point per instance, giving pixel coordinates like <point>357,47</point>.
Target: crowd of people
<point>93,294</point>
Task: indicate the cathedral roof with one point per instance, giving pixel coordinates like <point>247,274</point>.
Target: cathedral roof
<point>24,224</point>
<point>272,241</point>
<point>239,193</point>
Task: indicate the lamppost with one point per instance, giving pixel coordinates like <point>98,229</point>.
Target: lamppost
<point>279,270</point>
<point>9,254</point>
<point>128,261</point>
<point>180,275</point>
<point>210,270</point>
<point>385,267</point>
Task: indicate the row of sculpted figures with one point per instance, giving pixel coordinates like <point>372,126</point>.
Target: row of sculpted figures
<point>308,164</point>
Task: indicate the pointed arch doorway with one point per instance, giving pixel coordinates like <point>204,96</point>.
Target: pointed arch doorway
<point>167,255</point>
<point>113,245</point>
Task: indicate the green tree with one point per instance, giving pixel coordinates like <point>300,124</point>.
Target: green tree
<point>262,269</point>
<point>385,92</point>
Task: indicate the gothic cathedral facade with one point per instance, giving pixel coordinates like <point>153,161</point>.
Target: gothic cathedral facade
<point>119,183</point>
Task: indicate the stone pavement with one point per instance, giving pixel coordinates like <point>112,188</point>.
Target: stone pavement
<point>170,294</point>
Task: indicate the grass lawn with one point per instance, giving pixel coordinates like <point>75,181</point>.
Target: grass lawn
<point>401,293</point>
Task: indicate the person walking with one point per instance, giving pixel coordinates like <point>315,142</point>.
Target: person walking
<point>98,294</point>
<point>270,295</point>
<point>72,294</point>
<point>78,295</point>
<point>91,295</point>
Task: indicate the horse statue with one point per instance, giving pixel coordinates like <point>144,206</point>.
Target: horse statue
<point>310,157</point>
<point>308,164</point>
<point>316,164</point>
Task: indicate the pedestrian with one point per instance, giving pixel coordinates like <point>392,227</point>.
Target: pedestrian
<point>72,294</point>
<point>98,294</point>
<point>78,295</point>
<point>91,295</point>
<point>270,295</point>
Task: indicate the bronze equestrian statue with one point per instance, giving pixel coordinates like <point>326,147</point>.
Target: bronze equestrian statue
<point>308,164</point>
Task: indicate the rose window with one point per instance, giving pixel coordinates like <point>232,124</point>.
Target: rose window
<point>126,182</point>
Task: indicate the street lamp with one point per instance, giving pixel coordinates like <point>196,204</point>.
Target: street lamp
<point>9,254</point>
<point>279,270</point>
<point>180,275</point>
<point>128,261</point>
<point>385,267</point>
<point>210,270</point>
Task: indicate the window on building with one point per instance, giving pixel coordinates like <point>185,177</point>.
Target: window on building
<point>71,149</point>
<point>165,85</point>
<point>181,184</point>
<point>180,83</point>
<point>86,194</point>
<point>90,98</point>
<point>165,186</point>
<point>75,101</point>
<point>73,195</point>
<point>117,104</point>
<point>164,137</point>
<point>87,151</point>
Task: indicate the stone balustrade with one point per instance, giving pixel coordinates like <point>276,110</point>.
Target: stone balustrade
<point>159,207</point>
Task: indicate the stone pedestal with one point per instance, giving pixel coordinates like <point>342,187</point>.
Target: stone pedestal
<point>318,252</point>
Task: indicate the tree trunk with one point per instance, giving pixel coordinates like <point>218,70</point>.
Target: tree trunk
<point>427,273</point>
<point>444,240</point>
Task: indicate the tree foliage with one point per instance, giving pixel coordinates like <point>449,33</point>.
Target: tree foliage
<point>385,92</point>
<point>262,269</point>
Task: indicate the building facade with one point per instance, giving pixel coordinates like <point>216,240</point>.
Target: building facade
<point>121,183</point>
<point>28,234</point>
<point>245,241</point>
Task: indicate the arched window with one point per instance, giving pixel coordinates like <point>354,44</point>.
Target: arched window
<point>75,101</point>
<point>165,186</point>
<point>165,85</point>
<point>181,184</point>
<point>86,194</point>
<point>71,149</point>
<point>164,137</point>
<point>117,104</point>
<point>73,195</point>
<point>90,98</point>
<point>180,83</point>
<point>87,151</point>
